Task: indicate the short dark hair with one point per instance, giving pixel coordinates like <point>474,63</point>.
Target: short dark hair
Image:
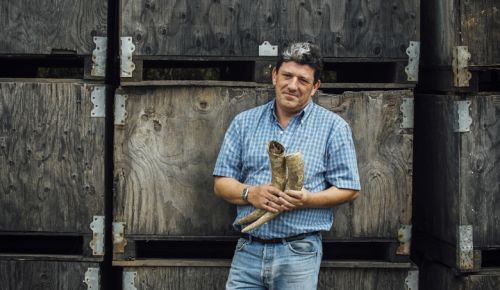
<point>303,53</point>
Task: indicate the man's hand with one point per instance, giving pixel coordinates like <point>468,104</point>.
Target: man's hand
<point>294,199</point>
<point>266,197</point>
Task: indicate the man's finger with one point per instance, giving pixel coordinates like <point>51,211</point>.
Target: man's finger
<point>294,193</point>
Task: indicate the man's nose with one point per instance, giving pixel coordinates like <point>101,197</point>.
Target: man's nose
<point>292,84</point>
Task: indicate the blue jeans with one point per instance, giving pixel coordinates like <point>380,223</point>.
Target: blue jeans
<point>278,266</point>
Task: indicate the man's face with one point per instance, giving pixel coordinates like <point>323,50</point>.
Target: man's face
<point>294,86</point>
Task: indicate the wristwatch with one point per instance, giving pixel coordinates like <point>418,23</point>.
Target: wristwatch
<point>244,194</point>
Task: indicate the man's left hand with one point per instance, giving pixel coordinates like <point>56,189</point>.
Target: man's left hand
<point>293,199</point>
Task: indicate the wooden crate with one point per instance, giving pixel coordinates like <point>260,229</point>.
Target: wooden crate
<point>48,27</point>
<point>167,139</point>
<point>51,157</point>
<point>435,276</point>
<point>453,23</point>
<point>233,30</point>
<point>56,275</point>
<point>457,189</point>
<point>212,274</point>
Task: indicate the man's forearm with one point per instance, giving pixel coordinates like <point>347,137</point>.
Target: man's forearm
<point>330,197</point>
<point>229,189</point>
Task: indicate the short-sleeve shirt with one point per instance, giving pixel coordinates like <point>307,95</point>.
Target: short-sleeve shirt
<point>323,138</point>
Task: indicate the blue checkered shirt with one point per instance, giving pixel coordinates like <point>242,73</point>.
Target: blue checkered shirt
<point>323,138</point>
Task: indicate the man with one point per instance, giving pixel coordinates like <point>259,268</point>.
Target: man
<point>286,252</point>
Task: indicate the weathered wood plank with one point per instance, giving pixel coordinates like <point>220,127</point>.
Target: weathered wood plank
<point>26,275</point>
<point>43,27</point>
<point>236,28</point>
<point>161,167</point>
<point>214,277</point>
<point>434,276</point>
<point>51,157</point>
<point>457,173</point>
<point>165,155</point>
<point>385,153</point>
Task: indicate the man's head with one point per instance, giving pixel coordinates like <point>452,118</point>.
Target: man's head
<point>303,53</point>
<point>296,78</point>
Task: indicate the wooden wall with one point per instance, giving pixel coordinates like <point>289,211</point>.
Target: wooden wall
<point>46,26</point>
<point>51,157</point>
<point>358,28</point>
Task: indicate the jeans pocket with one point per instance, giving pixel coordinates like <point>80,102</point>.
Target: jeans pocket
<point>241,244</point>
<point>303,247</point>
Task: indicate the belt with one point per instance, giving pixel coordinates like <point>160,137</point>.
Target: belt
<point>279,240</point>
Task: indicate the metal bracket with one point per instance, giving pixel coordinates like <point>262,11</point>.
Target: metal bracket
<point>266,49</point>
<point>120,109</point>
<point>461,57</point>
<point>404,237</point>
<point>464,119</point>
<point>119,241</point>
<point>465,249</point>
<point>128,280</point>
<point>99,56</point>
<point>411,281</point>
<point>92,279</point>
<point>407,111</point>
<point>97,242</point>
<point>413,52</point>
<point>127,48</point>
<point>98,98</point>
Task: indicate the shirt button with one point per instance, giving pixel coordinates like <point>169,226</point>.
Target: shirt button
<point>281,132</point>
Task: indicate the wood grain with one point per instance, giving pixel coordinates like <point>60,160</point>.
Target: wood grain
<point>457,173</point>
<point>165,155</point>
<point>344,28</point>
<point>384,153</point>
<point>24,275</point>
<point>51,157</point>
<point>214,277</point>
<point>38,27</point>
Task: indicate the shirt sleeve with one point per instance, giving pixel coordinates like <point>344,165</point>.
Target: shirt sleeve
<point>342,166</point>
<point>229,163</point>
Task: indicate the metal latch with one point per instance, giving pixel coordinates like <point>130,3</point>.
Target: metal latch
<point>465,249</point>
<point>129,280</point>
<point>461,75</point>
<point>127,48</point>
<point>98,98</point>
<point>119,241</point>
<point>92,279</point>
<point>266,49</point>
<point>99,56</point>
<point>120,109</point>
<point>463,117</point>
<point>407,112</point>
<point>97,242</point>
<point>404,237</point>
<point>411,281</point>
<point>413,52</point>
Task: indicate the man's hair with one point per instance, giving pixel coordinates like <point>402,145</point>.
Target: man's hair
<point>303,53</point>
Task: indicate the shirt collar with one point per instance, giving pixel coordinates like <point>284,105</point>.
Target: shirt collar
<point>302,115</point>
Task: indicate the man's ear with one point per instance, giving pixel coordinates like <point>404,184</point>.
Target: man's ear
<point>274,75</point>
<point>315,87</point>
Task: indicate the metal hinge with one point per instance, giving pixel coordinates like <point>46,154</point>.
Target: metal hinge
<point>128,280</point>
<point>120,109</point>
<point>465,249</point>
<point>463,117</point>
<point>119,241</point>
<point>266,49</point>
<point>99,56</point>
<point>92,279</point>
<point>461,74</point>
<point>413,52</point>
<point>98,98</point>
<point>97,242</point>
<point>411,281</point>
<point>404,237</point>
<point>407,111</point>
<point>127,48</point>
